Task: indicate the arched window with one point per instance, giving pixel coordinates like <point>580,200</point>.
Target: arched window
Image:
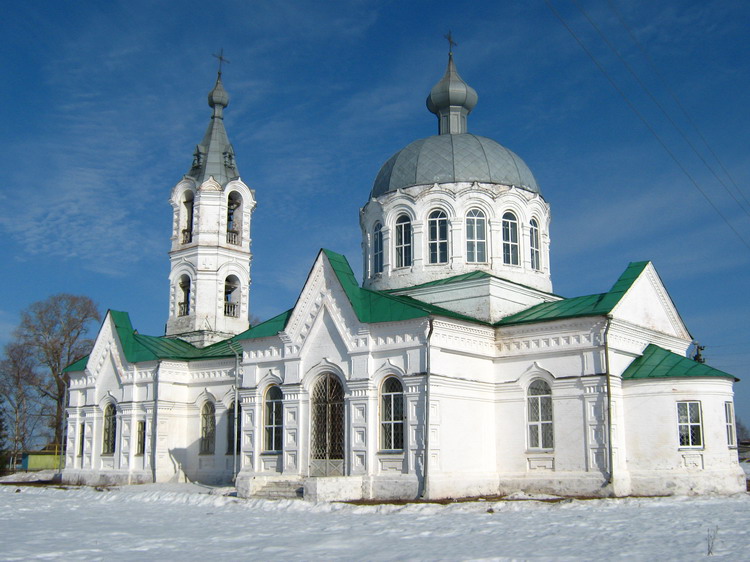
<point>183,306</point>
<point>234,218</point>
<point>187,222</point>
<point>392,415</point>
<point>377,249</point>
<point>109,430</point>
<point>476,237</point>
<point>510,239</point>
<point>274,421</point>
<point>437,230</point>
<point>208,429</point>
<point>233,433</point>
<point>403,241</point>
<point>539,406</point>
<point>536,264</point>
<point>232,295</point>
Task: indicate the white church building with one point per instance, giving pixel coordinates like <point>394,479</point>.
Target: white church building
<point>452,371</point>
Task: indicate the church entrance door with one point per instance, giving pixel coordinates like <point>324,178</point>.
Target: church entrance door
<point>327,435</point>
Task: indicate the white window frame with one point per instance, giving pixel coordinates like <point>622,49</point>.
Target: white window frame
<point>476,237</point>
<point>273,421</point>
<point>207,444</point>
<point>109,430</point>
<point>377,249</point>
<point>392,426</point>
<point>437,237</point>
<point>687,421</point>
<point>403,241</point>
<point>730,423</point>
<point>511,244</point>
<point>540,417</point>
<point>534,248</point>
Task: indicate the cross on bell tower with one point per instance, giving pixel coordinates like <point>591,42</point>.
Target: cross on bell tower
<point>210,255</point>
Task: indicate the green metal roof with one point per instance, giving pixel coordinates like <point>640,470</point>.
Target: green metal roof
<point>266,329</point>
<point>138,347</point>
<point>657,362</point>
<point>471,276</point>
<point>589,305</point>
<point>375,306</point>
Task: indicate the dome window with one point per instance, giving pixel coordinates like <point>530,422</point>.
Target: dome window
<point>377,249</point>
<point>403,241</point>
<point>476,237</point>
<point>534,245</point>
<point>510,239</point>
<point>437,225</point>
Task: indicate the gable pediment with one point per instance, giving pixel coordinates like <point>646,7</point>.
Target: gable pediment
<point>322,302</point>
<point>647,303</point>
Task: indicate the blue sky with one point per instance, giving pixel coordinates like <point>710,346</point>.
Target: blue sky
<point>103,104</point>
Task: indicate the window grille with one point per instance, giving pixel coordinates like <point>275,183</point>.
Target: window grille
<point>689,424</point>
<point>437,226</point>
<point>109,430</point>
<point>534,245</point>
<point>233,437</point>
<point>208,429</point>
<point>392,415</point>
<point>274,421</point>
<point>327,448</point>
<point>403,241</point>
<point>539,406</point>
<point>81,438</point>
<point>510,239</point>
<point>476,237</point>
<point>140,447</point>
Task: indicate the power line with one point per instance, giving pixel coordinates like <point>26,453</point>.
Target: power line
<point>674,97</point>
<point>646,89</point>
<point>646,123</point>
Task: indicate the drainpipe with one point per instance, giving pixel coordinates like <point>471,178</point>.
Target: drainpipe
<point>608,375</point>
<point>154,421</point>
<point>63,445</point>
<point>425,488</point>
<point>236,409</point>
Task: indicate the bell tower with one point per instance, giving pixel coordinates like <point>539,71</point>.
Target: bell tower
<point>209,280</point>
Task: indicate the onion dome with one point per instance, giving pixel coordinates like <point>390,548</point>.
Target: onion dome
<point>451,99</point>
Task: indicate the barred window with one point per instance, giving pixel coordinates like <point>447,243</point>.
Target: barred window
<point>689,424</point>
<point>208,429</point>
<point>437,227</point>
<point>476,237</point>
<point>510,239</point>
<point>274,421</point>
<point>536,263</point>
<point>81,438</point>
<point>392,415</point>
<point>403,241</point>
<point>109,430</point>
<point>233,437</point>
<point>140,444</point>
<point>539,416</point>
<point>731,429</point>
<point>377,249</point>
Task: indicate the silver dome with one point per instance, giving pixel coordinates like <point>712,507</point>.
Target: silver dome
<point>453,158</point>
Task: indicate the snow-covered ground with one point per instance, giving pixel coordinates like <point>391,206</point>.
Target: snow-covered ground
<point>188,521</point>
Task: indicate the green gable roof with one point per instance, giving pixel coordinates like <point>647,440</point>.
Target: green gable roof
<point>268,328</point>
<point>657,362</point>
<point>139,348</point>
<point>589,305</point>
<point>376,306</point>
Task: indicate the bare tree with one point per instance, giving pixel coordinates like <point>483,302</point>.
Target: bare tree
<point>53,332</point>
<point>743,433</point>
<point>22,410</point>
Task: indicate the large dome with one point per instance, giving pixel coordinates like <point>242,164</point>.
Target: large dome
<point>449,158</point>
